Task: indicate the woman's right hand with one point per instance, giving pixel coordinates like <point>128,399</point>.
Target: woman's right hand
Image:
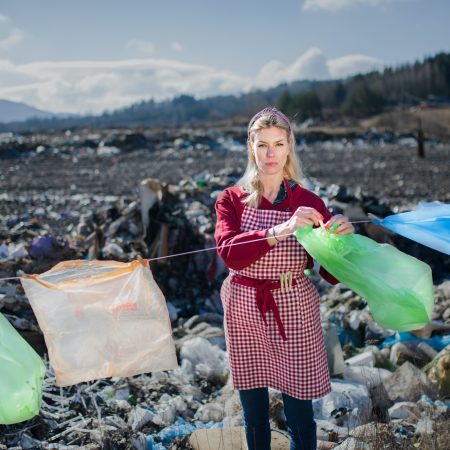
<point>302,217</point>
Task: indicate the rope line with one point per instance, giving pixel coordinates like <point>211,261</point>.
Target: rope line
<point>204,249</point>
<point>216,248</point>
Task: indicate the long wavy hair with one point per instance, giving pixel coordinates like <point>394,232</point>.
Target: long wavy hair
<point>250,181</point>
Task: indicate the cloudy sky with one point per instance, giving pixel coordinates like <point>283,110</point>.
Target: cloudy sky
<point>89,56</point>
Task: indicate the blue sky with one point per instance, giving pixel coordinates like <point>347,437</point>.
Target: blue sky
<point>90,56</point>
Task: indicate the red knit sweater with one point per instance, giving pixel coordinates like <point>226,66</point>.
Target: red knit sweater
<point>229,209</point>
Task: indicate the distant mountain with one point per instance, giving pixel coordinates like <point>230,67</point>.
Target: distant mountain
<point>19,112</point>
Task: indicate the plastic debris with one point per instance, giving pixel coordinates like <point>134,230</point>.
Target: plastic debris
<point>398,287</point>
<point>102,319</point>
<point>428,224</point>
<point>21,377</point>
<point>93,201</point>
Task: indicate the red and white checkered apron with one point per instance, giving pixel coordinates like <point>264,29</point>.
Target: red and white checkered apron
<point>258,354</point>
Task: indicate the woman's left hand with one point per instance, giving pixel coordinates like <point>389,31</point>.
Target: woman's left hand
<point>345,227</point>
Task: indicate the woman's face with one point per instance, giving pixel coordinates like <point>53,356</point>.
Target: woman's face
<point>270,148</point>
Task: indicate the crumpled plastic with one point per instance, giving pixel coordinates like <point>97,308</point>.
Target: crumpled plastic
<point>428,224</point>
<point>397,287</point>
<point>101,319</point>
<point>438,342</point>
<point>12,251</point>
<point>47,247</point>
<point>21,376</point>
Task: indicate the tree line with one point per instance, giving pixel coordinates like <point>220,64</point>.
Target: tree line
<point>372,93</point>
<point>353,97</point>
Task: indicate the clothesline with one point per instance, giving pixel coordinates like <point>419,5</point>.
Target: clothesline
<point>204,249</point>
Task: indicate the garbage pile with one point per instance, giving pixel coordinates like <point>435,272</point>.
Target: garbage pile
<point>388,388</point>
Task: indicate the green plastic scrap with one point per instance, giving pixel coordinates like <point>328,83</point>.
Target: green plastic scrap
<point>398,287</point>
<point>21,376</point>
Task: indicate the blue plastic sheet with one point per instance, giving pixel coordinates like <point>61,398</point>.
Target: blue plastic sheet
<point>438,342</point>
<point>428,224</point>
<point>179,428</point>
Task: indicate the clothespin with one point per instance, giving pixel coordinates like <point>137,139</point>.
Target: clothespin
<point>286,282</point>
<point>322,225</point>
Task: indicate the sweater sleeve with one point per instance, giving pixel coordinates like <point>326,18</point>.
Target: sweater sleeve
<point>228,233</point>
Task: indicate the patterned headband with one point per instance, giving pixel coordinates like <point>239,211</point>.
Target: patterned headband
<point>269,111</point>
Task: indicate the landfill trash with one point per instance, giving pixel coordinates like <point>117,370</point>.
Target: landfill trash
<point>210,412</point>
<point>113,251</point>
<point>438,342</point>
<point>151,194</point>
<point>21,377</point>
<point>366,359</point>
<point>408,383</point>
<point>439,372</point>
<point>370,376</point>
<point>101,319</point>
<point>404,410</point>
<point>353,397</point>
<point>94,201</point>
<point>12,251</point>
<point>402,352</point>
<point>47,247</point>
<point>208,361</point>
<point>206,325</point>
<point>398,287</point>
<point>372,435</point>
<point>333,348</point>
<point>424,426</point>
<point>170,407</point>
<point>353,443</point>
<point>139,417</point>
<point>178,429</point>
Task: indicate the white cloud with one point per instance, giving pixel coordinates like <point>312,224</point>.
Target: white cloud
<point>313,65</point>
<point>175,45</point>
<point>334,5</point>
<point>95,86</point>
<point>140,46</point>
<point>350,64</point>
<point>15,37</point>
<point>310,65</point>
<point>3,18</point>
<point>271,74</point>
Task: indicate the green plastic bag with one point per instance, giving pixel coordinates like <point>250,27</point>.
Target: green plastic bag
<point>21,376</point>
<point>398,288</point>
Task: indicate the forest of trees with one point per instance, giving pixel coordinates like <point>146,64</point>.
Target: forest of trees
<point>354,97</point>
<point>365,95</point>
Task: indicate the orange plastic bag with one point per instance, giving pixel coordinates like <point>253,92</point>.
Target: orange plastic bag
<point>102,319</point>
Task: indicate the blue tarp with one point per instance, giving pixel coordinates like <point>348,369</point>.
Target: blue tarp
<point>428,224</point>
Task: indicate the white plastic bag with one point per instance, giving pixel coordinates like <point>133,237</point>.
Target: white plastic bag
<point>102,319</point>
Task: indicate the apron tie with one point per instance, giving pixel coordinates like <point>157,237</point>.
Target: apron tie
<point>264,297</point>
<point>266,302</point>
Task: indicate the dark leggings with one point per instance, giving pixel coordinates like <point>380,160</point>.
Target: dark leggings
<point>299,417</point>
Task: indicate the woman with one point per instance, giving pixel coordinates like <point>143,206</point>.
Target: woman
<point>272,321</point>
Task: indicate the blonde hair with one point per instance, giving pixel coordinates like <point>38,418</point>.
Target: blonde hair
<point>250,181</point>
